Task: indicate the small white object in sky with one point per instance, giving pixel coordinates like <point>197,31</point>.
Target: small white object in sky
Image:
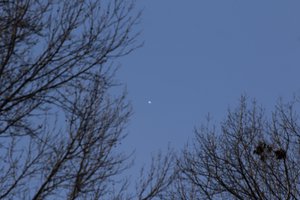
<point>149,102</point>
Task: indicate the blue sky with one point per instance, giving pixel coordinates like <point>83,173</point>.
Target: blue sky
<point>200,56</point>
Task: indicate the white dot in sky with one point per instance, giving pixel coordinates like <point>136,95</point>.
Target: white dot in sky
<point>149,102</point>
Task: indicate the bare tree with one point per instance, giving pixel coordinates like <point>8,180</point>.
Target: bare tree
<point>155,181</point>
<point>46,44</point>
<point>59,122</point>
<point>251,156</point>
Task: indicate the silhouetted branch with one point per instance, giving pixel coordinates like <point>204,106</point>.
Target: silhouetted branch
<point>251,158</point>
<point>59,123</point>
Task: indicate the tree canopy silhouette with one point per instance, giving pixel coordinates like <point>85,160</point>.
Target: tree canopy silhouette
<point>59,124</point>
<point>251,156</point>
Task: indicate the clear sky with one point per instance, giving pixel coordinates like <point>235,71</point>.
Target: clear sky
<point>200,56</point>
